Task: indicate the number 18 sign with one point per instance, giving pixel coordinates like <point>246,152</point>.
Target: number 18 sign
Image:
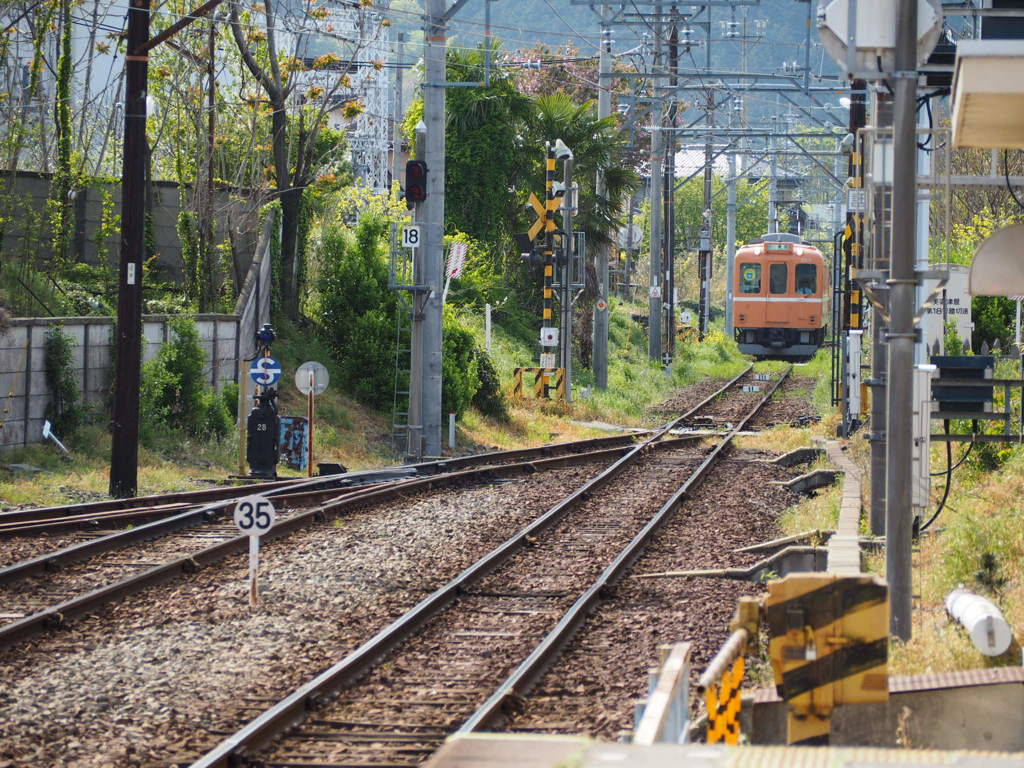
<point>254,516</point>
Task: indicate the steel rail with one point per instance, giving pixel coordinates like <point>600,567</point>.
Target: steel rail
<point>55,561</point>
<point>145,507</point>
<point>294,707</point>
<point>57,615</point>
<point>530,670</point>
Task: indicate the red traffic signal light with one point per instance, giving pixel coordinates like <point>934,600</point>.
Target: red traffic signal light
<point>415,182</point>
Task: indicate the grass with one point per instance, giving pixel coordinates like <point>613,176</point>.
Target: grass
<point>820,512</point>
<point>984,516</point>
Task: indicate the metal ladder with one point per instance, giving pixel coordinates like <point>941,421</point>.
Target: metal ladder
<point>401,281</point>
<point>403,373</point>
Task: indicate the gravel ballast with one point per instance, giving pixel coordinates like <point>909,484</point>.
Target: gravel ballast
<point>133,684</point>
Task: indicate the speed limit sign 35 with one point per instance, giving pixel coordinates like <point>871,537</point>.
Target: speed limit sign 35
<point>254,515</point>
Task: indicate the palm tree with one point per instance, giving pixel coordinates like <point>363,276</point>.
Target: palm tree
<point>597,145</point>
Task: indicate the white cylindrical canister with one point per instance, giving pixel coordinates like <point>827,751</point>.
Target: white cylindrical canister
<point>989,631</point>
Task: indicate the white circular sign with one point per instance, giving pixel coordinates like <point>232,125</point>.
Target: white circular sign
<point>686,317</point>
<point>312,373</point>
<point>254,515</point>
<point>601,305</point>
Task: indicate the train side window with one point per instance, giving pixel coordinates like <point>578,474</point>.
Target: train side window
<point>777,278</point>
<point>806,279</point>
<point>750,278</point>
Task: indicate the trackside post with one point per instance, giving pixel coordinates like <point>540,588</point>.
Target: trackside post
<point>254,516</point>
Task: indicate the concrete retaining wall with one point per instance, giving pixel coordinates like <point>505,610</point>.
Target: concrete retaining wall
<point>225,339</point>
<point>23,392</point>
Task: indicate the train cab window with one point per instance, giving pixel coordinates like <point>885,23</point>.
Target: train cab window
<point>806,279</point>
<point>777,278</point>
<point>750,278</point>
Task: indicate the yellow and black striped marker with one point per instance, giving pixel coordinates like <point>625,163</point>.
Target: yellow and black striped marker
<point>549,227</point>
<point>724,706</point>
<point>545,380</point>
<point>829,646</point>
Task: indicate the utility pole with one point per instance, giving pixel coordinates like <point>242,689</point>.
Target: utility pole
<point>124,450</point>
<point>657,156</point>
<point>565,336</point>
<point>432,256</point>
<point>704,252</point>
<point>604,109</point>
<point>707,220</point>
<point>882,117</point>
<point>669,282</point>
<point>773,184</point>
<point>124,456</point>
<point>730,242</point>
<point>899,424</point>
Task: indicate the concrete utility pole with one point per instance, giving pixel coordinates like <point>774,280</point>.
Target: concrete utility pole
<point>657,156</point>
<point>704,252</point>
<point>431,259</point>
<point>565,336</point>
<point>669,261</point>
<point>773,184</point>
<point>604,109</point>
<point>707,223</point>
<point>730,242</point>
<point>899,424</point>
<point>882,116</point>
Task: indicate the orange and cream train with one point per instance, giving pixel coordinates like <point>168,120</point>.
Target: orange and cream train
<point>779,289</point>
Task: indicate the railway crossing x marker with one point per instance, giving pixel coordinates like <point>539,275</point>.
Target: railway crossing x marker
<point>553,204</point>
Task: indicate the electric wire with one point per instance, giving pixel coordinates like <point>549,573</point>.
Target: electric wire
<point>949,480</point>
<point>1009,187</point>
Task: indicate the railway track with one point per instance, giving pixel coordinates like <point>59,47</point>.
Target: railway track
<point>505,617</point>
<point>120,512</point>
<point>45,592</point>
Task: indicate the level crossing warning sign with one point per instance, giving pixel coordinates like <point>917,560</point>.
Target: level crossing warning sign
<point>265,371</point>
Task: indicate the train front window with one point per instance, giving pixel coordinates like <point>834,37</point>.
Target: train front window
<point>750,278</point>
<point>806,279</point>
<point>777,278</point>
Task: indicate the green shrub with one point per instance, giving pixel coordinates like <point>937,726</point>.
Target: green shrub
<point>952,343</point>
<point>993,318</point>
<point>355,310</point>
<point>368,363</point>
<point>217,421</point>
<point>229,395</point>
<point>63,411</point>
<point>174,391</point>
<point>459,378</point>
<point>488,398</point>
